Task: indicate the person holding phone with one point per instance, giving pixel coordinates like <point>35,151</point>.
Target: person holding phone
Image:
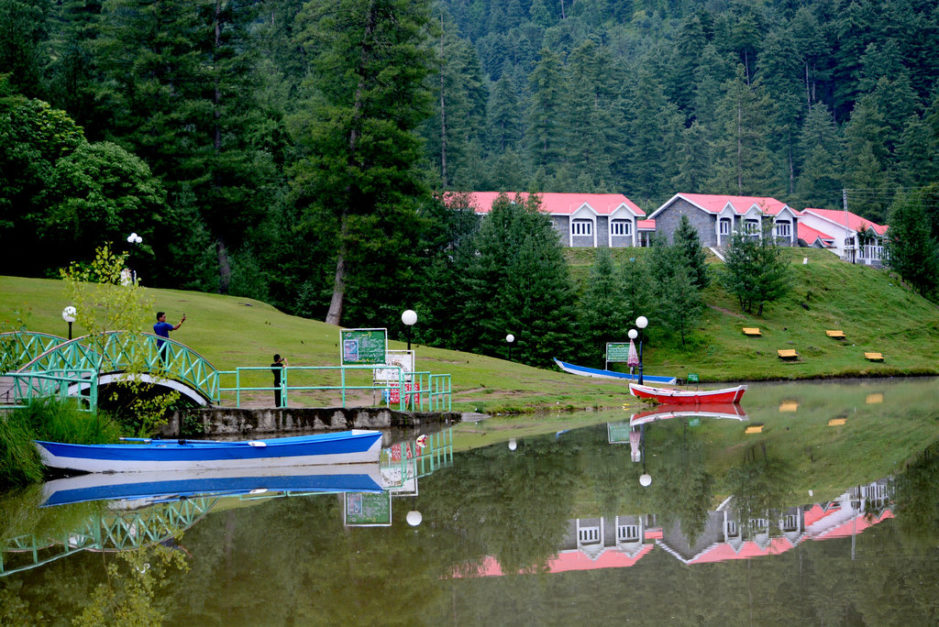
<point>162,330</point>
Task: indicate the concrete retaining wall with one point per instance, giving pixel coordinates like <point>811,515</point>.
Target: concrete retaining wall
<point>240,421</point>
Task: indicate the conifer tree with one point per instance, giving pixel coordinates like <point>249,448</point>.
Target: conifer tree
<point>603,316</point>
<point>359,176</point>
<point>913,250</point>
<point>688,243</point>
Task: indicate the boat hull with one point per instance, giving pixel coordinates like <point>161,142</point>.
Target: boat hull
<point>596,373</point>
<point>688,397</point>
<point>346,447</point>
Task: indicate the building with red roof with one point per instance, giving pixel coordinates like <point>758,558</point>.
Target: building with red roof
<point>852,237</point>
<point>716,217</point>
<point>581,220</point>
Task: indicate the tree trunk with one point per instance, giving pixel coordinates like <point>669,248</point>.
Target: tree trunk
<point>224,266</point>
<point>334,315</point>
<point>443,117</point>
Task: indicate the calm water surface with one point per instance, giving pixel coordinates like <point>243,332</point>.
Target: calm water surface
<point>817,504</point>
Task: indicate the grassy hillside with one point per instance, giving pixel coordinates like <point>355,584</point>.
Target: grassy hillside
<point>875,313</point>
<point>232,331</point>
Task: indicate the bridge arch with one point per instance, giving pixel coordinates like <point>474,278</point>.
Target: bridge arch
<point>114,354</point>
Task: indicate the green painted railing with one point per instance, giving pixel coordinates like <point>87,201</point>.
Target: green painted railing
<point>104,531</point>
<point>21,347</point>
<point>18,389</point>
<point>423,391</point>
<point>118,351</point>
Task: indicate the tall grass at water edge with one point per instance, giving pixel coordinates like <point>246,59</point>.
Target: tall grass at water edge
<point>52,420</point>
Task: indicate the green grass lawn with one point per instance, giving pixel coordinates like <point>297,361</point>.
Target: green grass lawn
<point>874,311</point>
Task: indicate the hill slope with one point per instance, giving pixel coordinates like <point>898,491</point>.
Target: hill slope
<point>875,313</point>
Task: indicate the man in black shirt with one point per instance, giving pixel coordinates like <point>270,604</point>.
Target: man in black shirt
<point>278,369</point>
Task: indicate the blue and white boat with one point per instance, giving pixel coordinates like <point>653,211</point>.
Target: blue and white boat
<point>160,486</point>
<point>597,373</point>
<point>342,447</point>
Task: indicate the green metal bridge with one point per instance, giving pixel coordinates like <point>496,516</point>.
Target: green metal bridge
<point>105,531</point>
<point>39,365</point>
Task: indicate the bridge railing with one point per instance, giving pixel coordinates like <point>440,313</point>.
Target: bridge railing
<point>22,388</point>
<point>117,351</point>
<point>327,384</point>
<point>21,347</point>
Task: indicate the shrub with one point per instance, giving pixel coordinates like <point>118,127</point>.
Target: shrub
<point>53,420</point>
<point>19,459</point>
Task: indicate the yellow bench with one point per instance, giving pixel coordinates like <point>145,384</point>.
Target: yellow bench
<point>836,334</point>
<point>754,429</point>
<point>787,353</point>
<point>752,331</point>
<point>874,356</point>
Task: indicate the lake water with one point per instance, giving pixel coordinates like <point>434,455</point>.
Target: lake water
<point>817,504</point>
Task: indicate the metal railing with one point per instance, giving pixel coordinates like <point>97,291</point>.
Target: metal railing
<point>423,391</point>
<point>18,389</point>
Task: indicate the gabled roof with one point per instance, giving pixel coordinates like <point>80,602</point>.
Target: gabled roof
<point>716,203</point>
<point>809,235</point>
<point>847,219</point>
<point>566,561</point>
<point>724,551</point>
<point>560,204</point>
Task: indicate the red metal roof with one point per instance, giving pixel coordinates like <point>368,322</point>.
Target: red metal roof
<point>573,560</point>
<point>810,235</point>
<point>847,219</point>
<point>724,551</point>
<point>559,204</point>
<point>851,527</point>
<point>715,203</point>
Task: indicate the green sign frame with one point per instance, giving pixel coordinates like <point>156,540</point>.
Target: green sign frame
<point>364,509</point>
<point>362,346</point>
<point>617,352</point>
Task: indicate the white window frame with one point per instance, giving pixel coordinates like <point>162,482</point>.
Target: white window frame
<point>751,226</point>
<point>723,226</point>
<point>581,227</point>
<point>620,228</point>
<point>784,229</point>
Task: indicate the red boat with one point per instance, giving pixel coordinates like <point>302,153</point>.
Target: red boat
<point>688,397</point>
<point>731,411</point>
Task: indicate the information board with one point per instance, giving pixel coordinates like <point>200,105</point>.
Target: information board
<point>364,509</point>
<point>617,351</point>
<point>395,360</point>
<point>363,346</point>
<point>618,432</point>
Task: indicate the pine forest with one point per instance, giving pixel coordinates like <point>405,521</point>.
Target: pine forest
<point>297,151</point>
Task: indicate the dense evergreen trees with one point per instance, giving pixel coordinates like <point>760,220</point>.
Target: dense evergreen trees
<point>288,149</point>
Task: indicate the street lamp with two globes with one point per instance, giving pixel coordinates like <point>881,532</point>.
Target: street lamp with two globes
<point>641,322</point>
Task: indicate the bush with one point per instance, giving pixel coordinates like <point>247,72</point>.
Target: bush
<point>19,459</point>
<point>62,421</point>
<point>56,421</point>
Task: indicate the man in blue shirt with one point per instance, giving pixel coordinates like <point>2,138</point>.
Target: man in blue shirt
<point>162,329</point>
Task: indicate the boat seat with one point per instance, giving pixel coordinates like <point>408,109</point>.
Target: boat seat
<point>787,353</point>
<point>836,334</point>
<point>752,331</point>
<point>874,356</point>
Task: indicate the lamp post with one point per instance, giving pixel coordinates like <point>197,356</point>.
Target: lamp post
<point>509,340</point>
<point>133,238</point>
<point>68,314</point>
<point>409,318</point>
<point>641,323</point>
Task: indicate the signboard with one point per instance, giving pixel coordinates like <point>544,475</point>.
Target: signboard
<point>363,509</point>
<point>618,432</point>
<point>402,359</point>
<point>363,346</point>
<point>617,351</point>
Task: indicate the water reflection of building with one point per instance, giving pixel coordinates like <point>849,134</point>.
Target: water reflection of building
<point>621,541</point>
